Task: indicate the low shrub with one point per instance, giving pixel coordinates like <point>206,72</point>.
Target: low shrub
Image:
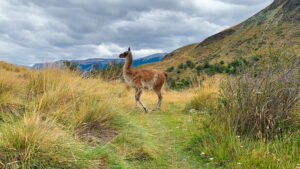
<point>72,66</point>
<point>179,84</point>
<point>113,71</point>
<point>261,101</point>
<point>170,69</point>
<point>190,64</point>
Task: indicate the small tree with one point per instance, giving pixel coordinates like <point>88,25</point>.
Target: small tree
<point>71,65</point>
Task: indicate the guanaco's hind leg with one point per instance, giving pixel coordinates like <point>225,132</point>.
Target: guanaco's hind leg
<point>158,92</point>
<point>137,98</point>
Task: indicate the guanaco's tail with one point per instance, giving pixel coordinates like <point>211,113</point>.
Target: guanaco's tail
<point>166,75</point>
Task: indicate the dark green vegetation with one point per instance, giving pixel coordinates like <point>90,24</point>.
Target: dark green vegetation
<point>72,66</point>
<point>232,68</point>
<point>113,71</point>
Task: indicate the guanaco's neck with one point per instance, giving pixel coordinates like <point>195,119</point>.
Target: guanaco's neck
<point>128,64</point>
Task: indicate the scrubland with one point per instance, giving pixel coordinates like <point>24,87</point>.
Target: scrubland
<point>60,119</point>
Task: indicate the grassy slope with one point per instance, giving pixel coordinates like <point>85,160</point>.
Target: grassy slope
<point>53,108</point>
<point>163,139</point>
<point>268,28</point>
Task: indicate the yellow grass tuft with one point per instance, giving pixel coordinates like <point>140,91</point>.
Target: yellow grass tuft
<point>32,141</point>
<point>206,95</point>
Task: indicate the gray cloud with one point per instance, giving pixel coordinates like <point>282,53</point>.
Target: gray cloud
<point>36,31</point>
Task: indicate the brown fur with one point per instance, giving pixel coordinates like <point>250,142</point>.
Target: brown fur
<point>143,78</point>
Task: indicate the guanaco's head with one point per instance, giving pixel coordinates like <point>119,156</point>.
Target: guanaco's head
<point>125,54</point>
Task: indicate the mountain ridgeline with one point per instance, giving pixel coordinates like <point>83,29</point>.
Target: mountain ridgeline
<point>275,27</point>
<point>86,65</point>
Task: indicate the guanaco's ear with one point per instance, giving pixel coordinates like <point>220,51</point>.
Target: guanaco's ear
<point>128,48</point>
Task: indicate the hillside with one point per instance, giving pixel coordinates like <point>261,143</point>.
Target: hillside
<point>87,64</point>
<point>276,26</point>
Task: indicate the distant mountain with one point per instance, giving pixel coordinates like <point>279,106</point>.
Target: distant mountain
<point>277,26</point>
<point>149,59</point>
<point>86,65</point>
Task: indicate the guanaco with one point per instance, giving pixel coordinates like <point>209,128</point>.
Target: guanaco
<point>143,79</point>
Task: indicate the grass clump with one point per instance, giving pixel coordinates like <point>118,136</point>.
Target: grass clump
<point>6,87</point>
<point>93,113</point>
<point>204,102</point>
<point>205,99</point>
<point>41,81</point>
<point>92,121</point>
<point>32,142</point>
<point>218,145</point>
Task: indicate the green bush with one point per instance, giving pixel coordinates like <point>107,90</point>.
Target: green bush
<point>181,66</point>
<point>113,71</point>
<point>206,65</point>
<point>190,64</point>
<point>179,84</point>
<point>170,69</point>
<point>72,66</point>
<point>199,68</point>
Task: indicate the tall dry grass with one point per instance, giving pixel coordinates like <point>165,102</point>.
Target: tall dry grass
<point>35,142</point>
<point>46,117</point>
<point>206,95</point>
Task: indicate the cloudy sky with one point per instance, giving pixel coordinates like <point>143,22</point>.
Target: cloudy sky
<point>34,31</point>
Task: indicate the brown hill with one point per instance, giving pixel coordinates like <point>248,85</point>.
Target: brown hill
<point>275,26</point>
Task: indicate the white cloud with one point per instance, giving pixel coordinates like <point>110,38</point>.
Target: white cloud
<point>8,47</point>
<point>145,52</point>
<point>113,50</point>
<point>213,6</point>
<point>109,50</point>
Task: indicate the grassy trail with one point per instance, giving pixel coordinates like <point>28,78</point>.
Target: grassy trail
<point>167,130</point>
